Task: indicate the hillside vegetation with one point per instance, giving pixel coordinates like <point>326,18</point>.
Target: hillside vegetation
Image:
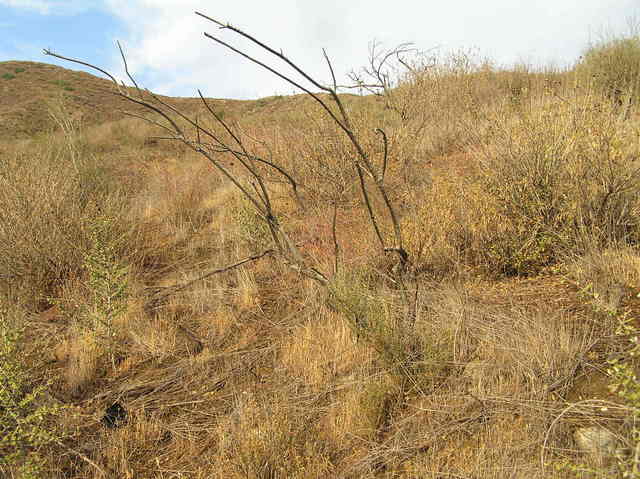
<point>498,328</point>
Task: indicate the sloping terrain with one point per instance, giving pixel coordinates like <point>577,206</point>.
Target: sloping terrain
<point>28,89</point>
<point>145,305</point>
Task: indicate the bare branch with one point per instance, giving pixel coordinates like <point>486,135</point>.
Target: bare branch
<point>149,120</point>
<point>333,75</point>
<point>363,164</point>
<point>231,178</point>
<point>270,50</point>
<point>260,197</point>
<point>219,119</point>
<point>265,194</point>
<point>46,51</point>
<point>386,151</point>
<point>292,182</point>
<point>334,235</point>
<point>170,290</point>
<point>280,75</point>
<point>122,90</point>
<point>367,202</point>
<point>148,105</point>
<point>126,69</point>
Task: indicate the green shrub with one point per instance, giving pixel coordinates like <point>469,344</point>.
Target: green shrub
<point>622,371</point>
<point>8,76</point>
<point>107,283</point>
<point>19,70</point>
<point>252,227</point>
<point>626,384</point>
<point>26,420</point>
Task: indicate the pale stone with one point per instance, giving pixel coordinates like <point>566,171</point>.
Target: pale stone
<point>599,443</point>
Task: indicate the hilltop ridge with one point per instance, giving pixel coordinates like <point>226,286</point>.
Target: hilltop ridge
<point>27,90</point>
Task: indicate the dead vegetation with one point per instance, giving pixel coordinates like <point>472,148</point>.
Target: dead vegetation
<point>431,280</point>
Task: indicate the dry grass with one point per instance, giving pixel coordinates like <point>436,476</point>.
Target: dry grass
<point>517,192</point>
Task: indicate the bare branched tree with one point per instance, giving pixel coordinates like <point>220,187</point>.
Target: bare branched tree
<point>217,143</point>
<point>387,69</point>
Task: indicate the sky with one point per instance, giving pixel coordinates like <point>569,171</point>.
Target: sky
<point>168,53</point>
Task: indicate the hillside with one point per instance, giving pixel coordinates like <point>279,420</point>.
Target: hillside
<point>27,90</point>
<point>447,284</point>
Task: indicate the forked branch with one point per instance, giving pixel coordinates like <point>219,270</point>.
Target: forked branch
<point>212,144</point>
<point>362,161</point>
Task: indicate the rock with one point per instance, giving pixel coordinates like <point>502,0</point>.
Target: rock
<point>114,416</point>
<point>600,444</point>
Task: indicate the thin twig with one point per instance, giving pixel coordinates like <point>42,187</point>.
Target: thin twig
<point>363,164</point>
<point>177,288</point>
<point>121,90</point>
<point>386,151</point>
<point>334,235</point>
<point>126,69</point>
<point>49,52</point>
<point>83,457</point>
<point>333,75</point>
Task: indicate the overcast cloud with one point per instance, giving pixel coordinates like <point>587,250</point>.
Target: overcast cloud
<point>169,54</point>
<point>165,39</point>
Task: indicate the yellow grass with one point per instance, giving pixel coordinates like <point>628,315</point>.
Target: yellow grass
<point>517,197</point>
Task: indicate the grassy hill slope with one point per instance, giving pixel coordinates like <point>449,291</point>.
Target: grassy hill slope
<point>152,325</point>
<point>28,89</point>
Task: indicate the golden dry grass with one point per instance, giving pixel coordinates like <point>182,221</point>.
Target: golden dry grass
<point>260,372</point>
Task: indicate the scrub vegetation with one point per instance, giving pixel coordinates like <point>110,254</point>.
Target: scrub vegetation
<point>437,279</point>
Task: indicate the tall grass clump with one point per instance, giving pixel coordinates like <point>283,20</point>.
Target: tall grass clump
<point>50,190</point>
<point>613,67</point>
<point>378,318</point>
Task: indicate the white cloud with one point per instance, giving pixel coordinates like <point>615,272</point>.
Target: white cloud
<point>167,50</point>
<point>51,7</point>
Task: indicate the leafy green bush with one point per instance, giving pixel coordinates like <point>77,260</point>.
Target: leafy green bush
<point>626,384</point>
<point>8,76</point>
<point>19,70</point>
<point>107,283</point>
<point>26,421</point>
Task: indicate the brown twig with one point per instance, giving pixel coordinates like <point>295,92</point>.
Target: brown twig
<point>386,152</point>
<point>84,458</point>
<point>170,290</point>
<point>363,163</point>
<point>334,235</point>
